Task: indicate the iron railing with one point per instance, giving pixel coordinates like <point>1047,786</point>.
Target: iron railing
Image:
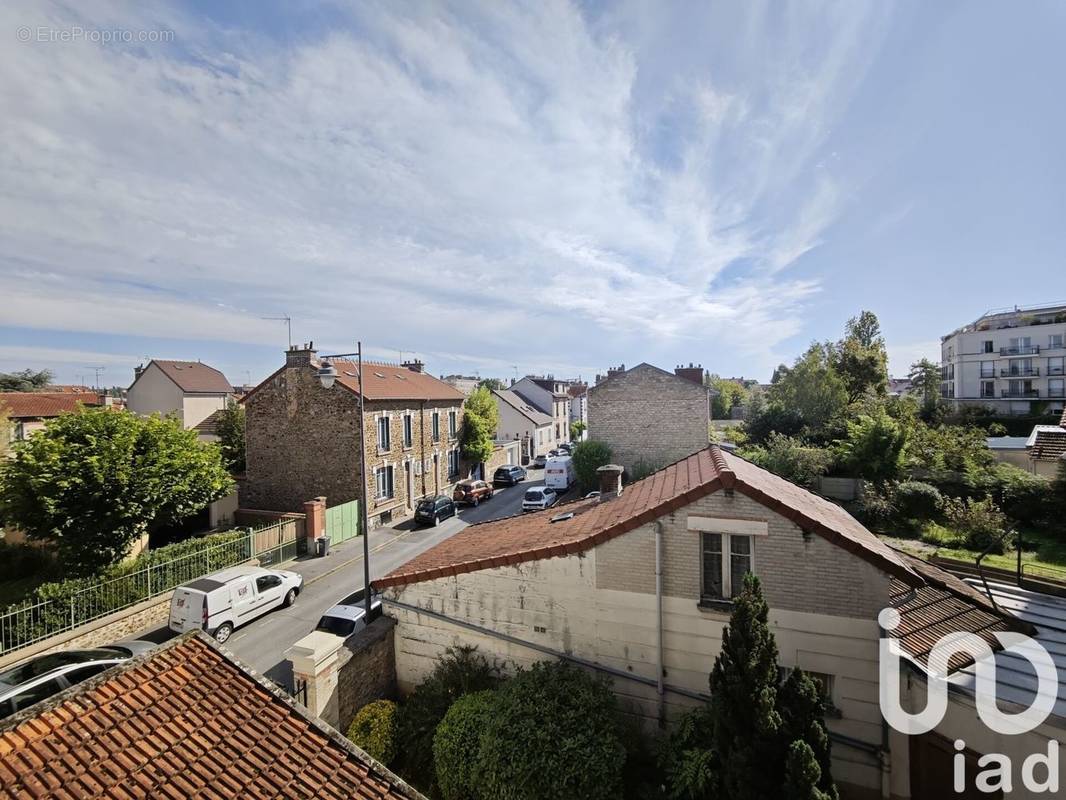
<point>1020,350</point>
<point>1014,372</point>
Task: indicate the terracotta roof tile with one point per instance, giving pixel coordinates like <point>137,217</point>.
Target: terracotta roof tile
<point>43,405</point>
<point>1047,442</point>
<point>206,746</point>
<point>517,539</point>
<point>194,377</point>
<point>392,382</point>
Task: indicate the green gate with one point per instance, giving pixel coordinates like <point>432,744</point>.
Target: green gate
<point>342,522</point>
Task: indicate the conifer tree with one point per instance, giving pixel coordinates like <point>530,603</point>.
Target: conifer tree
<point>802,774</point>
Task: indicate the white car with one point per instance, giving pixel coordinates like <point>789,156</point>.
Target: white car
<point>221,602</point>
<point>347,617</point>
<point>539,498</point>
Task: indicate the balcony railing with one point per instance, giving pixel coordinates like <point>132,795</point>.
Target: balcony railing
<point>1019,372</point>
<point>1056,392</point>
<point>1022,350</point>
<point>1054,371</point>
<point>1020,393</point>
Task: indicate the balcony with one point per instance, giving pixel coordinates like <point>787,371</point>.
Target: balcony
<point>1023,393</point>
<point>1020,372</point>
<point>1054,371</point>
<point>1056,392</point>
<point>1022,350</point>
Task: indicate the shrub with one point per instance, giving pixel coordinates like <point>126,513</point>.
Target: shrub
<point>686,759</point>
<point>791,459</point>
<point>588,457</point>
<point>554,734</point>
<point>374,729</point>
<point>873,448</point>
<point>917,500</point>
<point>457,742</point>
<point>877,506</point>
<point>980,522</point>
<point>640,470</point>
<point>997,429</point>
<point>460,671</point>
<point>1022,496</point>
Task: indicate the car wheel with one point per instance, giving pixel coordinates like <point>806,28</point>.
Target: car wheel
<point>290,598</point>
<point>476,500</point>
<point>223,631</point>
<point>436,520</point>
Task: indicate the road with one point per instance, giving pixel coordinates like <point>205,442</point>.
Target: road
<point>262,644</point>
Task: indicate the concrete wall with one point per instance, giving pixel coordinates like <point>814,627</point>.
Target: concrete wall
<point>512,424</point>
<point>155,393</point>
<point>648,414</point>
<point>198,407</point>
<point>223,511</point>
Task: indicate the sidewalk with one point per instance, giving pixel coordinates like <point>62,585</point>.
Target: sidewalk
<point>346,553</point>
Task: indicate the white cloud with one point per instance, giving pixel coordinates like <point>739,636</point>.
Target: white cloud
<point>492,177</point>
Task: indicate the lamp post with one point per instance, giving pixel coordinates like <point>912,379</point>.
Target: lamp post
<point>327,376</point>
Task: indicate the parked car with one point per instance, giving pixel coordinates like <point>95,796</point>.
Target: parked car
<point>559,473</point>
<point>349,615</point>
<point>592,494</point>
<point>539,461</point>
<point>431,510</point>
<point>471,491</point>
<point>508,475</point>
<point>539,498</point>
<point>42,676</point>
<point>567,447</point>
<point>220,602</point>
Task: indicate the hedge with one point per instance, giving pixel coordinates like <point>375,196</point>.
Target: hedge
<point>457,742</point>
<point>374,730</point>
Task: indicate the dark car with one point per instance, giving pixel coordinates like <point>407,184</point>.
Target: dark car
<point>508,475</point>
<point>432,510</point>
<point>471,491</point>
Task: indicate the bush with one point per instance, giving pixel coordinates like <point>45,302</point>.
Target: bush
<point>877,506</point>
<point>791,459</point>
<point>1022,496</point>
<point>640,470</point>
<point>554,734</point>
<point>917,500</point>
<point>997,429</point>
<point>873,448</point>
<point>374,730</point>
<point>686,758</point>
<point>980,522</point>
<point>588,457</point>
<point>457,742</point>
<point>23,559</point>
<point>460,671</point>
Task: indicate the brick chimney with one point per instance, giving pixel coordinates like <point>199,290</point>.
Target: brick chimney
<point>300,355</point>
<point>610,476</point>
<point>690,373</point>
<point>415,366</point>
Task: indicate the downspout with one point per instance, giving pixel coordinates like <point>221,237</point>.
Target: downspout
<point>884,757</point>
<point>661,671</point>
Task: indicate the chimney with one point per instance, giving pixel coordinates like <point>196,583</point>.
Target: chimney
<point>300,355</point>
<point>692,372</point>
<point>137,371</point>
<point>414,366</point>
<point>610,476</point>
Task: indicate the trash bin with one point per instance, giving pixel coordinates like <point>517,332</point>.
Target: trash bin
<point>323,545</point>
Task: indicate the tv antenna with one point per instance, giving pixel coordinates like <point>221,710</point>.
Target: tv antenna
<point>96,372</point>
<point>288,324</point>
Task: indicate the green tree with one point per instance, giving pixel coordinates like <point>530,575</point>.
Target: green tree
<point>457,744</point>
<point>813,389</point>
<point>588,457</point>
<point>25,381</point>
<point>791,459</point>
<point>861,358</point>
<point>492,384</point>
<point>577,427</point>
<point>801,703</point>
<point>93,482</point>
<point>925,379</point>
<point>481,416</point>
<point>230,431</point>
<point>874,447</point>
<point>374,730</point>
<point>802,774</point>
<point>728,394</point>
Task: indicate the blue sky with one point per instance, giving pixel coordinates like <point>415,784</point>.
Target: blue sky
<point>535,187</point>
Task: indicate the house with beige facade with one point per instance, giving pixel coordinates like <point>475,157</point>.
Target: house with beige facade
<point>549,396</point>
<point>648,416</point>
<point>519,421</point>
<point>302,439</point>
<point>638,583</point>
<point>190,391</point>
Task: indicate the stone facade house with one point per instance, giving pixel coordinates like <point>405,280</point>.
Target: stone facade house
<point>518,420</point>
<point>191,391</point>
<point>650,416</point>
<point>302,440</point>
<point>549,396</point>
<point>637,584</point>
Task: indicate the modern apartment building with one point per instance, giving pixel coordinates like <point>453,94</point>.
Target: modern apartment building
<point>1008,360</point>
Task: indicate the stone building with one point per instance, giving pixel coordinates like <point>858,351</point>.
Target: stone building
<point>302,440</point>
<point>649,416</point>
<point>580,582</point>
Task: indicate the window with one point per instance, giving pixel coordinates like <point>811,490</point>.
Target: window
<point>988,346</point>
<point>453,464</point>
<point>1056,387</point>
<point>267,582</point>
<point>988,388</point>
<point>1054,366</point>
<point>988,369</point>
<point>384,444</point>
<point>726,559</point>
<point>451,424</point>
<point>34,694</point>
<point>408,431</point>
<point>436,426</point>
<point>1054,340</point>
<point>383,483</point>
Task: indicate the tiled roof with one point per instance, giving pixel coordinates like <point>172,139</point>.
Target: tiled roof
<point>517,539</point>
<point>1047,442</point>
<point>392,382</point>
<point>194,377</point>
<point>42,405</point>
<point>184,721</point>
<point>512,399</point>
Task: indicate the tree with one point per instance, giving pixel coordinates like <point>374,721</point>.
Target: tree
<point>6,431</point>
<point>802,774</point>
<point>801,703</point>
<point>577,427</point>
<point>925,378</point>
<point>873,448</point>
<point>588,457</point>
<point>813,389</point>
<point>492,384</point>
<point>728,394</point>
<point>457,743</point>
<point>25,381</point>
<point>93,482</point>
<point>791,459</point>
<point>230,431</point>
<point>861,359</point>
<point>481,415</point>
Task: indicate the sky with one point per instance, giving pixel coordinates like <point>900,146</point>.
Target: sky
<point>505,188</point>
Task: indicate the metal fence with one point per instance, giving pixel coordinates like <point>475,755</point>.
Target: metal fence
<point>78,602</point>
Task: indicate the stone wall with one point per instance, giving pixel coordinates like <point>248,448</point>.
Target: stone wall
<point>649,415</point>
<point>366,667</point>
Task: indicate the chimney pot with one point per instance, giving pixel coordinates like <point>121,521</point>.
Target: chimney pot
<point>610,476</point>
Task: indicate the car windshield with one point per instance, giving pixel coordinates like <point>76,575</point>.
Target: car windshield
<point>338,626</point>
<point>42,664</point>
<point>534,494</point>
<point>426,505</point>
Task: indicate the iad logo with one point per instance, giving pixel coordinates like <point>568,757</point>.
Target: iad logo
<point>997,771</point>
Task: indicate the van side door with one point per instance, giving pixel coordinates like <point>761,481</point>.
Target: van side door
<point>271,591</point>
<point>243,600</point>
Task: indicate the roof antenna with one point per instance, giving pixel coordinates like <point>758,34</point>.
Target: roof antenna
<point>288,323</point>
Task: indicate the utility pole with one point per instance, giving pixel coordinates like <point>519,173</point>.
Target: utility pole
<point>97,371</point>
<point>363,516</point>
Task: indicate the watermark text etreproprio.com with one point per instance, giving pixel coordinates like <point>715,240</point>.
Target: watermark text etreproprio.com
<point>76,33</point>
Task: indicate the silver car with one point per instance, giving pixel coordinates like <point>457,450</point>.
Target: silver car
<point>346,617</point>
<point>42,676</point>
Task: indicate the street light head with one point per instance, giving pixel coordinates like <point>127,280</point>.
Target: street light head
<point>327,374</point>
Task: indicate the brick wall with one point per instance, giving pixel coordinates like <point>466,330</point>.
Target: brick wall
<point>648,414</point>
<point>367,670</point>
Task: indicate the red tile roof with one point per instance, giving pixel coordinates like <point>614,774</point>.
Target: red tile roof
<point>43,405</point>
<point>517,539</point>
<point>392,382</point>
<point>194,377</point>
<point>1047,442</point>
<point>181,722</point>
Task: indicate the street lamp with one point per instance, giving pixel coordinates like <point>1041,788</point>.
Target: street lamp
<point>327,375</point>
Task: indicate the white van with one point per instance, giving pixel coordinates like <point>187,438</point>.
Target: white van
<point>220,602</point>
<point>559,473</point>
